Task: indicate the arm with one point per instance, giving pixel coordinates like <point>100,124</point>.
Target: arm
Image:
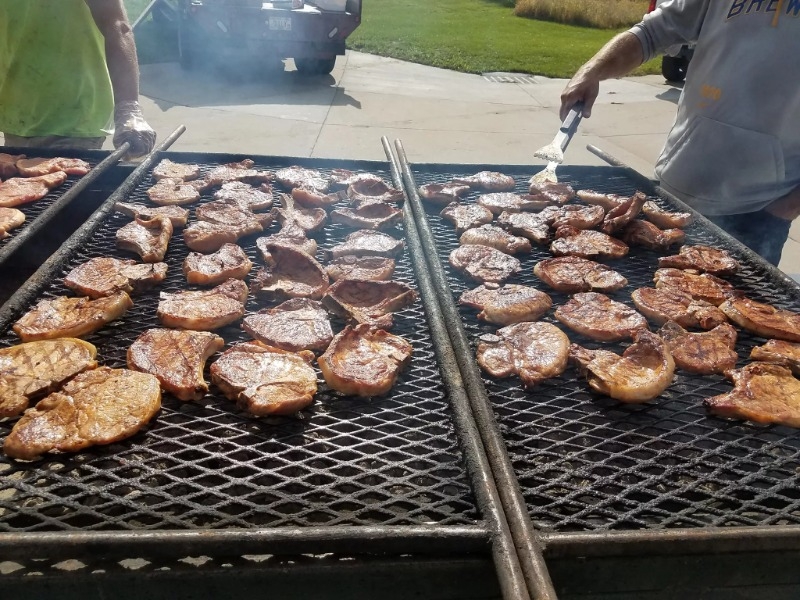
<point>787,207</point>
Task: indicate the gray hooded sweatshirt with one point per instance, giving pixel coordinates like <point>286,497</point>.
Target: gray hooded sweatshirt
<point>735,143</point>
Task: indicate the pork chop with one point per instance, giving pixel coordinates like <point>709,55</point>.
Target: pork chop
<point>762,319</point>
<point>552,191</point>
<point>173,192</point>
<point>665,219</point>
<point>309,219</point>
<point>367,301</point>
<point>342,178</point>
<point>495,237</point>
<point>177,216</point>
<point>8,164</point>
<point>645,234</point>
<point>245,195</point>
<point>290,273</point>
<point>378,215</point>
<point>579,217</point>
<point>10,218</point>
<point>368,192</point>
<point>202,236</point>
<point>23,190</point>
<point>376,268</point>
<point>484,264</point>
<point>618,217</point>
<point>167,169</point>
<point>700,286</point>
<point>500,202</point>
<point>36,167</point>
<point>203,310</point>
<point>295,176</point>
<point>290,234</point>
<point>232,214</point>
<point>702,353</point>
<point>229,262</point>
<point>779,352</point>
<point>599,317</point>
<point>607,201</point>
<point>442,193</point>
<point>104,276</point>
<point>702,258</point>
<point>149,238</point>
<point>571,274</point>
<point>294,325</point>
<point>368,243</point>
<point>534,226</point>
<point>507,304</point>
<point>464,216</point>
<point>664,305</point>
<point>315,199</point>
<point>241,171</point>
<point>487,181</point>
<point>586,243</point>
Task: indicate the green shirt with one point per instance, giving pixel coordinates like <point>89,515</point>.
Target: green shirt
<point>53,74</point>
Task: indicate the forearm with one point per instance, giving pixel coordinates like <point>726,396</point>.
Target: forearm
<point>120,47</point>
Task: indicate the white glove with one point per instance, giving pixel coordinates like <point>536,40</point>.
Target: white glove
<point>130,126</point>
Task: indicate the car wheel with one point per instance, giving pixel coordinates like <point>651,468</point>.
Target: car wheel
<point>673,68</point>
<point>315,66</point>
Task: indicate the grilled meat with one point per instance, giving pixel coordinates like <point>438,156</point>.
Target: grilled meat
<point>762,393</point>
<point>177,216</point>
<point>500,202</point>
<point>702,353</point>
<point>607,201</point>
<point>571,274</point>
<point>229,262</point>
<point>534,226</point>
<point>104,276</point>
<point>534,351</point>
<point>29,371</point>
<point>762,319</point>
<point>367,301</point>
<point>579,217</point>
<point>367,192</point>
<point>642,373</point>
<point>172,192</point>
<point>779,352</point>
<point>230,213</point>
<point>586,243</point>
<point>368,216</point>
<point>290,273</point>
<point>368,243</point>
<point>464,216</point>
<point>176,358</point>
<point>507,304</point>
<point>700,286</point>
<point>8,164</point>
<point>241,171</point>
<point>442,193</point>
<point>702,258</point>
<point>297,324</point>
<point>495,237</point>
<point>309,219</point>
<point>64,316</point>
<point>203,310</point>
<point>343,178</point>
<point>202,236</point>
<point>10,218</point>
<point>364,361</point>
<point>97,407</point>
<point>245,195</point>
<point>484,264</point>
<point>36,167</point>
<point>166,169</point>
<point>264,380</point>
<point>647,235</point>
<point>376,268</point>
<point>618,217</point>
<point>599,317</point>
<point>665,219</point>
<point>291,234</point>
<point>487,181</point>
<point>149,238</point>
<point>22,190</point>
<point>553,192</point>
<point>310,179</point>
<point>664,305</point>
<point>314,199</point>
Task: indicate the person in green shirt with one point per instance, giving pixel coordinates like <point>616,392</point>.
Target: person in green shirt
<point>65,68</point>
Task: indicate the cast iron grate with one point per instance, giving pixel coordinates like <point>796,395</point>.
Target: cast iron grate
<point>391,460</point>
<point>586,462</point>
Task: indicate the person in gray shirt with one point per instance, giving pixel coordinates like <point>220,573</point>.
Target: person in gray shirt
<point>733,152</point>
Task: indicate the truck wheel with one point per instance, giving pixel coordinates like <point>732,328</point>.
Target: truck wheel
<point>673,68</point>
<point>315,66</point>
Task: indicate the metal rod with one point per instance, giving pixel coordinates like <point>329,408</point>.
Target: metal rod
<point>537,577</point>
<point>509,571</point>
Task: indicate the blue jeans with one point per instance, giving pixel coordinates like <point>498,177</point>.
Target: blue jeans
<point>763,233</point>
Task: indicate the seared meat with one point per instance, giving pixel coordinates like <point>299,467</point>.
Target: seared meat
<point>495,237</point>
<point>170,192</point>
<point>203,310</point>
<point>22,190</point>
<point>664,305</point>
<point>364,361</point>
<point>149,238</point>
<point>176,358</point>
<point>702,258</point>
<point>368,243</point>
<point>310,179</point>
<point>510,202</point>
<point>367,192</point>
<point>297,324</point>
<point>554,192</point>
<point>166,169</point>
<point>664,219</point>
<point>586,244</point>
<point>579,217</point>
<point>36,167</point>
<point>762,319</point>
<point>534,226</point>
<point>599,317</point>
<point>534,351</point>
<point>264,380</point>
<point>104,276</point>
<point>309,219</point>
<point>177,216</point>
<point>229,212</point>
<point>703,353</point>
<point>464,216</point>
<point>314,199</point>
<point>507,304</point>
<point>241,171</point>
<point>229,262</point>
<point>29,371</point>
<point>64,316</point>
<point>607,201</point>
<point>367,301</point>
<point>342,178</point>
<point>10,218</point>
<point>488,181</point>
<point>368,216</point>
<point>571,274</point>
<point>700,286</point>
<point>8,164</point>
<point>245,195</point>
<point>779,352</point>
<point>617,218</point>
<point>647,235</point>
<point>290,273</point>
<point>442,194</point>
<point>483,263</point>
<point>376,268</point>
<point>762,393</point>
<point>202,236</point>
<point>291,234</point>
<point>97,407</point>
<point>642,373</point>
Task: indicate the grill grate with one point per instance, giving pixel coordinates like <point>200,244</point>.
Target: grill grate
<point>585,462</point>
<point>391,460</point>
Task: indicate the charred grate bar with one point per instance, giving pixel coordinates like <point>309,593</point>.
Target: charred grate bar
<point>585,462</point>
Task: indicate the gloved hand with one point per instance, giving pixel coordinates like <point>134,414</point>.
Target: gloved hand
<point>130,126</point>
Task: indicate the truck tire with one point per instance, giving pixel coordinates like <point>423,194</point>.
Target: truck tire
<point>315,66</point>
<point>673,68</point>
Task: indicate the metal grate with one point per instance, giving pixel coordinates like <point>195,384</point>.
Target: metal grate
<point>587,462</point>
<point>391,460</point>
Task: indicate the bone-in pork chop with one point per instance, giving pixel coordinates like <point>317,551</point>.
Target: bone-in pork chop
<point>8,164</point>
<point>242,171</point>
<point>499,202</point>
<point>97,407</point>
<point>203,310</point>
<point>643,372</point>
<point>645,234</point>
<point>314,199</point>
<point>29,371</point>
<point>232,214</point>
<point>364,361</point>
<point>297,324</point>
<point>507,304</point>
<point>534,351</point>
<point>229,262</point>
<point>618,217</point>
<point>703,353</point>
<point>290,273</point>
<point>65,316</point>
<point>586,243</point>
<point>377,215</point>
<point>553,191</point>
<point>149,238</point>
<point>177,216</point>
<point>368,192</point>
<point>700,286</point>
<point>495,237</point>
<point>35,167</point>
<point>292,177</point>
<point>664,305</point>
<point>484,264</point>
<point>290,234</point>
<point>167,169</point>
<point>104,276</point>
<point>534,226</point>
<point>488,181</point>
<point>571,274</point>
<point>579,217</point>
<point>173,192</point>
<point>367,301</point>
<point>762,393</point>
<point>368,243</point>
<point>309,219</point>
<point>245,195</point>
<point>702,258</point>
<point>665,219</point>
<point>376,268</point>
<point>264,380</point>
<point>464,216</point>
<point>22,190</point>
<point>599,317</point>
<point>202,236</point>
<point>442,193</point>
<point>10,218</point>
<point>779,352</point>
<point>177,358</point>
<point>763,319</point>
<point>607,201</point>
<point>342,178</point>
